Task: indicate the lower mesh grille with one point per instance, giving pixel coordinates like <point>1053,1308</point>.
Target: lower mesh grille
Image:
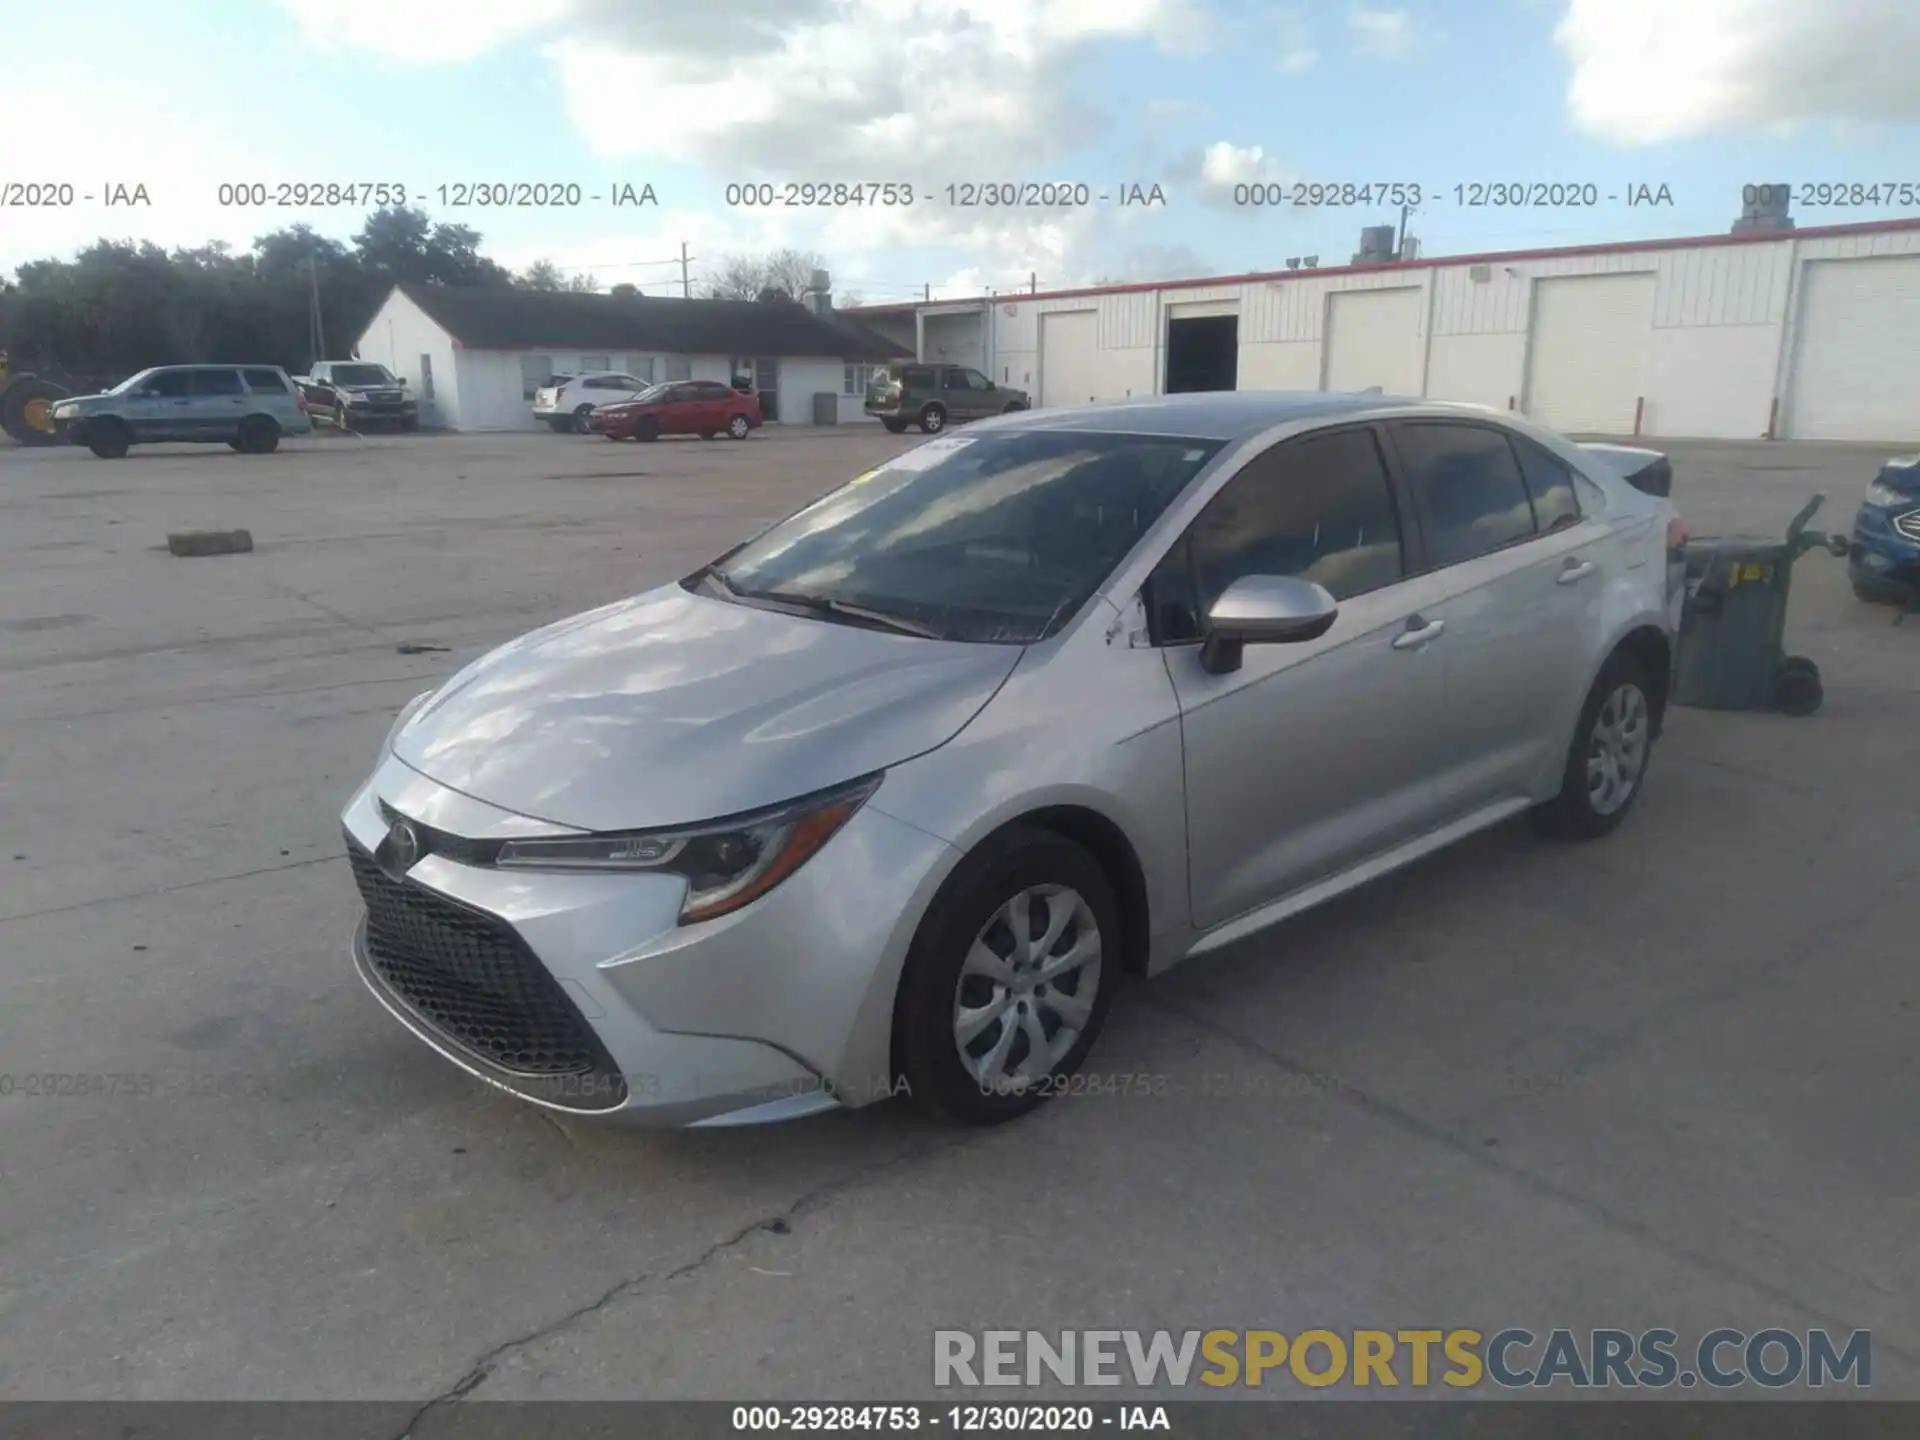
<point>473,980</point>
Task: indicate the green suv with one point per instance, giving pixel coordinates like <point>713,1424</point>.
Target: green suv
<point>908,392</point>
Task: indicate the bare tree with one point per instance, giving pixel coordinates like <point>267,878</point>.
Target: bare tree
<point>780,274</point>
<point>583,284</point>
<point>541,275</point>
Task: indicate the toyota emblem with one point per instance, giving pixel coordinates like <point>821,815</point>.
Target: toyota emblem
<point>403,847</point>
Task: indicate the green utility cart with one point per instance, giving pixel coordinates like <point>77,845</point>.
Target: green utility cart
<point>1732,631</point>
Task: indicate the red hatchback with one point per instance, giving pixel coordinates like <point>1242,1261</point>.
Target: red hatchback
<point>681,407</point>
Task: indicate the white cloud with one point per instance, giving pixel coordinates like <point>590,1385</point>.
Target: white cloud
<point>1385,33</point>
<point>420,32</point>
<point>1212,174</point>
<point>1646,71</point>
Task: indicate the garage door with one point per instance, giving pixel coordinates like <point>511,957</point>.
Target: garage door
<point>1587,358</point>
<point>1069,357</point>
<point>1373,338</point>
<point>1856,364</point>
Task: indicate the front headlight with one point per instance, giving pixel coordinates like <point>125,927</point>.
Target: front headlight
<point>1882,494</point>
<point>726,865</point>
<point>407,712</point>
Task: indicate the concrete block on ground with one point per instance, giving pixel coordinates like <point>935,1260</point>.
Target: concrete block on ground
<point>210,542</point>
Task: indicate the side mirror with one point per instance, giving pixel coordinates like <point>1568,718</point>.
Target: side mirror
<point>1264,610</point>
<point>401,381</point>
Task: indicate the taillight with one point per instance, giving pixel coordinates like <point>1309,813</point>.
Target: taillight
<point>300,401</point>
<point>1678,534</point>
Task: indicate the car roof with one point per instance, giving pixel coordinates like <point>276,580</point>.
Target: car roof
<point>1231,414</point>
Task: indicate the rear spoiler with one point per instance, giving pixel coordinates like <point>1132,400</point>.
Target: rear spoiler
<point>1648,471</point>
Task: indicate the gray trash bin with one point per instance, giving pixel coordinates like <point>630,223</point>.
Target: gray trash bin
<point>826,408</point>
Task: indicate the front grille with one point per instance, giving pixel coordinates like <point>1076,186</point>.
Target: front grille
<point>473,980</point>
<point>1908,524</point>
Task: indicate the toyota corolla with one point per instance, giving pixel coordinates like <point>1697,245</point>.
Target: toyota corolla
<point>891,797</point>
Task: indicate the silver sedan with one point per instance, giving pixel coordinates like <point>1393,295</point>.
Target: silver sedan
<point>890,798</point>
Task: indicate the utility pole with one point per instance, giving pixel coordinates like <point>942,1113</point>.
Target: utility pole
<point>926,292</point>
<point>1400,241</point>
<point>686,284</point>
<point>1033,282</point>
<point>316,329</point>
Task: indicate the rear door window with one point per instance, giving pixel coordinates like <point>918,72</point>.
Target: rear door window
<point>217,382</point>
<point>1468,487</point>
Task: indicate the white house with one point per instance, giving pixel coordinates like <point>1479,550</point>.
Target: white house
<point>1804,334</point>
<point>476,354</point>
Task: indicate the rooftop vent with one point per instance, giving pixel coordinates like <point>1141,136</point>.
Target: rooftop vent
<point>1764,207</point>
<point>1376,245</point>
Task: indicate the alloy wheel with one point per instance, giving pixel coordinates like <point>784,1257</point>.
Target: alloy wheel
<point>1027,988</point>
<point>1617,751</point>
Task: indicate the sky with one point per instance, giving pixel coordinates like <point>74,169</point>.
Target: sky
<point>1200,98</point>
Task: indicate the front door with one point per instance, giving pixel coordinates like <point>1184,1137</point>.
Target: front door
<point>1309,757</point>
<point>1521,571</point>
<point>766,384</point>
<point>158,410</point>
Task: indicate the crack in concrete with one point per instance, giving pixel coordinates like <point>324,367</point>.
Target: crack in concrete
<point>171,889</point>
<point>778,1223</point>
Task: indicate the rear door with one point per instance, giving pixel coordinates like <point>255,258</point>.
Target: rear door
<point>958,395</point>
<point>217,405</point>
<point>271,394</point>
<point>1521,572</point>
<point>1310,757</point>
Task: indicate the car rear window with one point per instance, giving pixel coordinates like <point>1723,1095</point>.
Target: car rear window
<point>268,380</point>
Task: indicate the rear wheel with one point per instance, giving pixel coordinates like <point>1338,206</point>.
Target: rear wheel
<point>109,438</point>
<point>738,427</point>
<point>896,427</point>
<point>1797,689</point>
<point>581,413</point>
<point>1607,762</point>
<point>933,419</point>
<point>1009,978</point>
<point>258,436</point>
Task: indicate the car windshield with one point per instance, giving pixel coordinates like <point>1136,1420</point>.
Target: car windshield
<point>132,382</point>
<point>997,538</point>
<point>653,392</point>
<point>361,375</point>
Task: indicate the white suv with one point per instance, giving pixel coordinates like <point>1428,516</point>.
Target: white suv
<point>566,404</point>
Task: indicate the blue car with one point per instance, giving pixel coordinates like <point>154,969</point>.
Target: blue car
<point>1886,534</point>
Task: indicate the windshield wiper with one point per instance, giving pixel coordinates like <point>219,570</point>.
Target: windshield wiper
<point>827,605</point>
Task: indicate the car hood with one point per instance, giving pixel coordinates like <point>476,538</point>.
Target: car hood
<point>672,708</point>
<point>363,389</point>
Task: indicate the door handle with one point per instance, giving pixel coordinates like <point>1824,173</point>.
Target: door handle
<point>1574,572</point>
<point>1416,637</point>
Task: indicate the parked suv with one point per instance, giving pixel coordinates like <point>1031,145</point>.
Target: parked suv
<point>248,406</point>
<point>909,393</point>
<point>566,404</point>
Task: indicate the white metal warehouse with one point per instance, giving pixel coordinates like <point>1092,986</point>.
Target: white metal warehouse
<point>1802,334</point>
<point>476,354</point>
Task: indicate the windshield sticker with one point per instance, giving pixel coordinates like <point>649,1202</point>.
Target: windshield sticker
<point>925,457</point>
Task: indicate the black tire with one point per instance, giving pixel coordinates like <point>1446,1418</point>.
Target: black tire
<point>410,425</point>
<point>1874,594</point>
<point>235,446</point>
<point>1573,814</point>
<point>647,429</point>
<point>109,438</point>
<point>258,436</point>
<point>933,419</point>
<point>1014,407</point>
<point>926,1052</point>
<point>24,402</point>
<point>739,427</point>
<point>581,414</point>
<point>559,424</point>
<point>895,427</point>
<point>1797,689</point>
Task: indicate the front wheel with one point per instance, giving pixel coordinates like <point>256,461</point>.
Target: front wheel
<point>1014,407</point>
<point>1009,979</point>
<point>647,429</point>
<point>1607,762</point>
<point>933,419</point>
<point>258,436</point>
<point>738,427</point>
<point>109,439</point>
<point>581,414</point>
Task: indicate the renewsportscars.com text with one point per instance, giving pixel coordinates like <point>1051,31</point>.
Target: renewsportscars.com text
<point>1461,1358</point>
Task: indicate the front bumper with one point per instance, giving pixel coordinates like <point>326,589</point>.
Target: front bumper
<point>779,1009</point>
<point>1883,537</point>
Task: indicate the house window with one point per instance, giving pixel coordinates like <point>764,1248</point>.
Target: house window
<point>854,379</point>
<point>535,371</point>
<point>426,377</point>
<point>679,367</point>
<point>591,363</point>
<point>640,367</point>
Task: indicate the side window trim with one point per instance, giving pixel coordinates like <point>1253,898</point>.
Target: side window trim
<point>1521,445</point>
<point>1418,501</point>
